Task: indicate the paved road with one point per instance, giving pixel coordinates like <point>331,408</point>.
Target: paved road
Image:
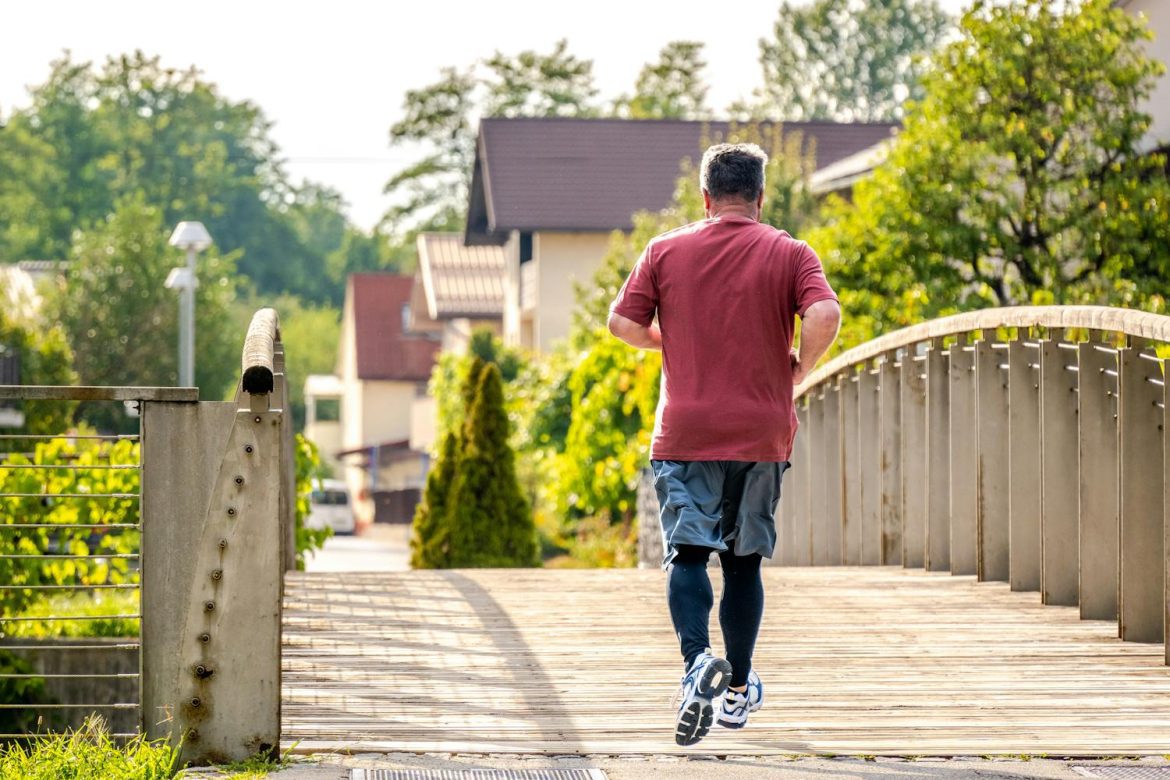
<point>380,547</point>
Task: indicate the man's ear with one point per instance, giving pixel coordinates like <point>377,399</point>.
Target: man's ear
<point>760,202</point>
<point>707,202</point>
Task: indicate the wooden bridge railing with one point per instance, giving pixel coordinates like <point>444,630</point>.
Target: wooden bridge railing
<point>1023,444</point>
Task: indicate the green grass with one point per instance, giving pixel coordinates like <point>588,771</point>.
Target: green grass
<point>100,603</point>
<point>88,754</point>
<point>254,768</point>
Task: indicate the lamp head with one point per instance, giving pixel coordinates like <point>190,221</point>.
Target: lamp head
<point>191,235</point>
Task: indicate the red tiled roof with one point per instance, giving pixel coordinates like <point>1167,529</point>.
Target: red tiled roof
<point>383,350</point>
<point>594,174</point>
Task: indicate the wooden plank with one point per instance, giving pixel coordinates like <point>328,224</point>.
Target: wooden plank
<point>1058,475</point>
<point>1098,465</point>
<point>476,661</point>
<point>1024,462</point>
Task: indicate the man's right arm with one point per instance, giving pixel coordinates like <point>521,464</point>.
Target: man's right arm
<point>818,331</point>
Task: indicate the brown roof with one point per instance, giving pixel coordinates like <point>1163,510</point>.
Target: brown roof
<point>458,280</point>
<point>594,174</point>
<point>383,350</point>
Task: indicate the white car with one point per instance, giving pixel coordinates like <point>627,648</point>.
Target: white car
<point>330,507</point>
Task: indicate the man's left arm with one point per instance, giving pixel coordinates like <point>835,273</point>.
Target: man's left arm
<point>631,317</point>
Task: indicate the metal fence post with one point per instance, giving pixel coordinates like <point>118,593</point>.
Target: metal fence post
<point>1142,489</point>
<point>834,520</point>
<point>991,375</point>
<point>1058,475</point>
<point>914,459</point>
<point>869,460</point>
<point>964,463</point>
<point>799,523</point>
<point>889,399</point>
<point>938,447</point>
<point>1024,461</point>
<point>851,470</point>
<point>1098,471</point>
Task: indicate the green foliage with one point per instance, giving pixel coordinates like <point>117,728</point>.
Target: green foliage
<point>449,384</point>
<point>671,88</point>
<point>19,690</point>
<point>100,608</point>
<point>474,513</point>
<point>848,60</point>
<point>96,513</point>
<point>535,84</point>
<point>45,359</point>
<point>308,471</point>
<point>89,753</point>
<point>122,322</point>
<point>135,128</point>
<point>430,536</point>
<point>1017,179</point>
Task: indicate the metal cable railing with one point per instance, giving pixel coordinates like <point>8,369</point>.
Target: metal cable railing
<point>1025,444</point>
<point>70,547</point>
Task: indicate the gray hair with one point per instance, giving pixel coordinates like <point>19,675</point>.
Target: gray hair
<point>733,170</point>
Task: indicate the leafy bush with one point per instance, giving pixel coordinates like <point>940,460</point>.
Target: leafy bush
<point>103,604</point>
<point>308,468</point>
<point>19,690</point>
<point>88,753</point>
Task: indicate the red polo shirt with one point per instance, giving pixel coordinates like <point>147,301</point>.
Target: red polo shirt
<point>726,291</point>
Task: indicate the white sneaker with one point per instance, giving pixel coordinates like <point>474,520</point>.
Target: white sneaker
<point>707,678</point>
<point>737,706</point>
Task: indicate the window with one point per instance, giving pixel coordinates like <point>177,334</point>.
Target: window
<point>406,318</point>
<point>525,247</point>
<point>328,409</point>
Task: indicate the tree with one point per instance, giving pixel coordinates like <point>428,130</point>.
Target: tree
<point>433,190</point>
<point>1018,179</point>
<point>848,60</point>
<point>92,136</point>
<point>122,323</point>
<point>487,517</point>
<point>535,84</point>
<point>671,88</point>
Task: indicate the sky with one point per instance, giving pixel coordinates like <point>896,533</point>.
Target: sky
<point>332,75</point>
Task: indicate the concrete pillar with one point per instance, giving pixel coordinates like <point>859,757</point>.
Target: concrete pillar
<point>1059,548</point>
<point>938,478</point>
<point>212,573</point>
<point>914,459</point>
<point>1098,470</point>
<point>991,376</point>
<point>1024,461</point>
<point>1142,488</point>
<point>869,460</point>
<point>964,463</point>
<point>850,471</point>
<point>890,463</point>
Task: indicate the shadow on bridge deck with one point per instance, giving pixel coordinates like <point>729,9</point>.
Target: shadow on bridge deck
<point>855,661</point>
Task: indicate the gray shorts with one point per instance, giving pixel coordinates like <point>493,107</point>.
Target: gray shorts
<point>721,504</point>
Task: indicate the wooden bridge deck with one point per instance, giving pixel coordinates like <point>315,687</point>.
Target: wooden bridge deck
<point>854,660</point>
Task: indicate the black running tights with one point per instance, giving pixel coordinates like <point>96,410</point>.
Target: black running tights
<point>688,591</point>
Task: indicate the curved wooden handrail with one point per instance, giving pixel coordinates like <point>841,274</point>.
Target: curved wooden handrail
<point>259,352</point>
<point>1155,327</point>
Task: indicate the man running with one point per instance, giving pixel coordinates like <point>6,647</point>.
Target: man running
<point>726,291</point>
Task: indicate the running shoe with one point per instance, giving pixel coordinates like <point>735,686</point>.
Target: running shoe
<point>738,705</point>
<point>707,678</point>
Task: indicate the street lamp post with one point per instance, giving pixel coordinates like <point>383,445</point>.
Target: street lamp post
<point>193,238</point>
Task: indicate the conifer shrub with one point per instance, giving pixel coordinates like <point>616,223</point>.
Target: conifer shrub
<point>488,518</point>
<point>430,537</point>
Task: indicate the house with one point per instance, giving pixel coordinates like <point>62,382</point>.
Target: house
<point>384,363</point>
<point>460,287</point>
<point>549,192</point>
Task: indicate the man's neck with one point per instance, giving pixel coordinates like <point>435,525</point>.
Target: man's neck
<point>747,210</point>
